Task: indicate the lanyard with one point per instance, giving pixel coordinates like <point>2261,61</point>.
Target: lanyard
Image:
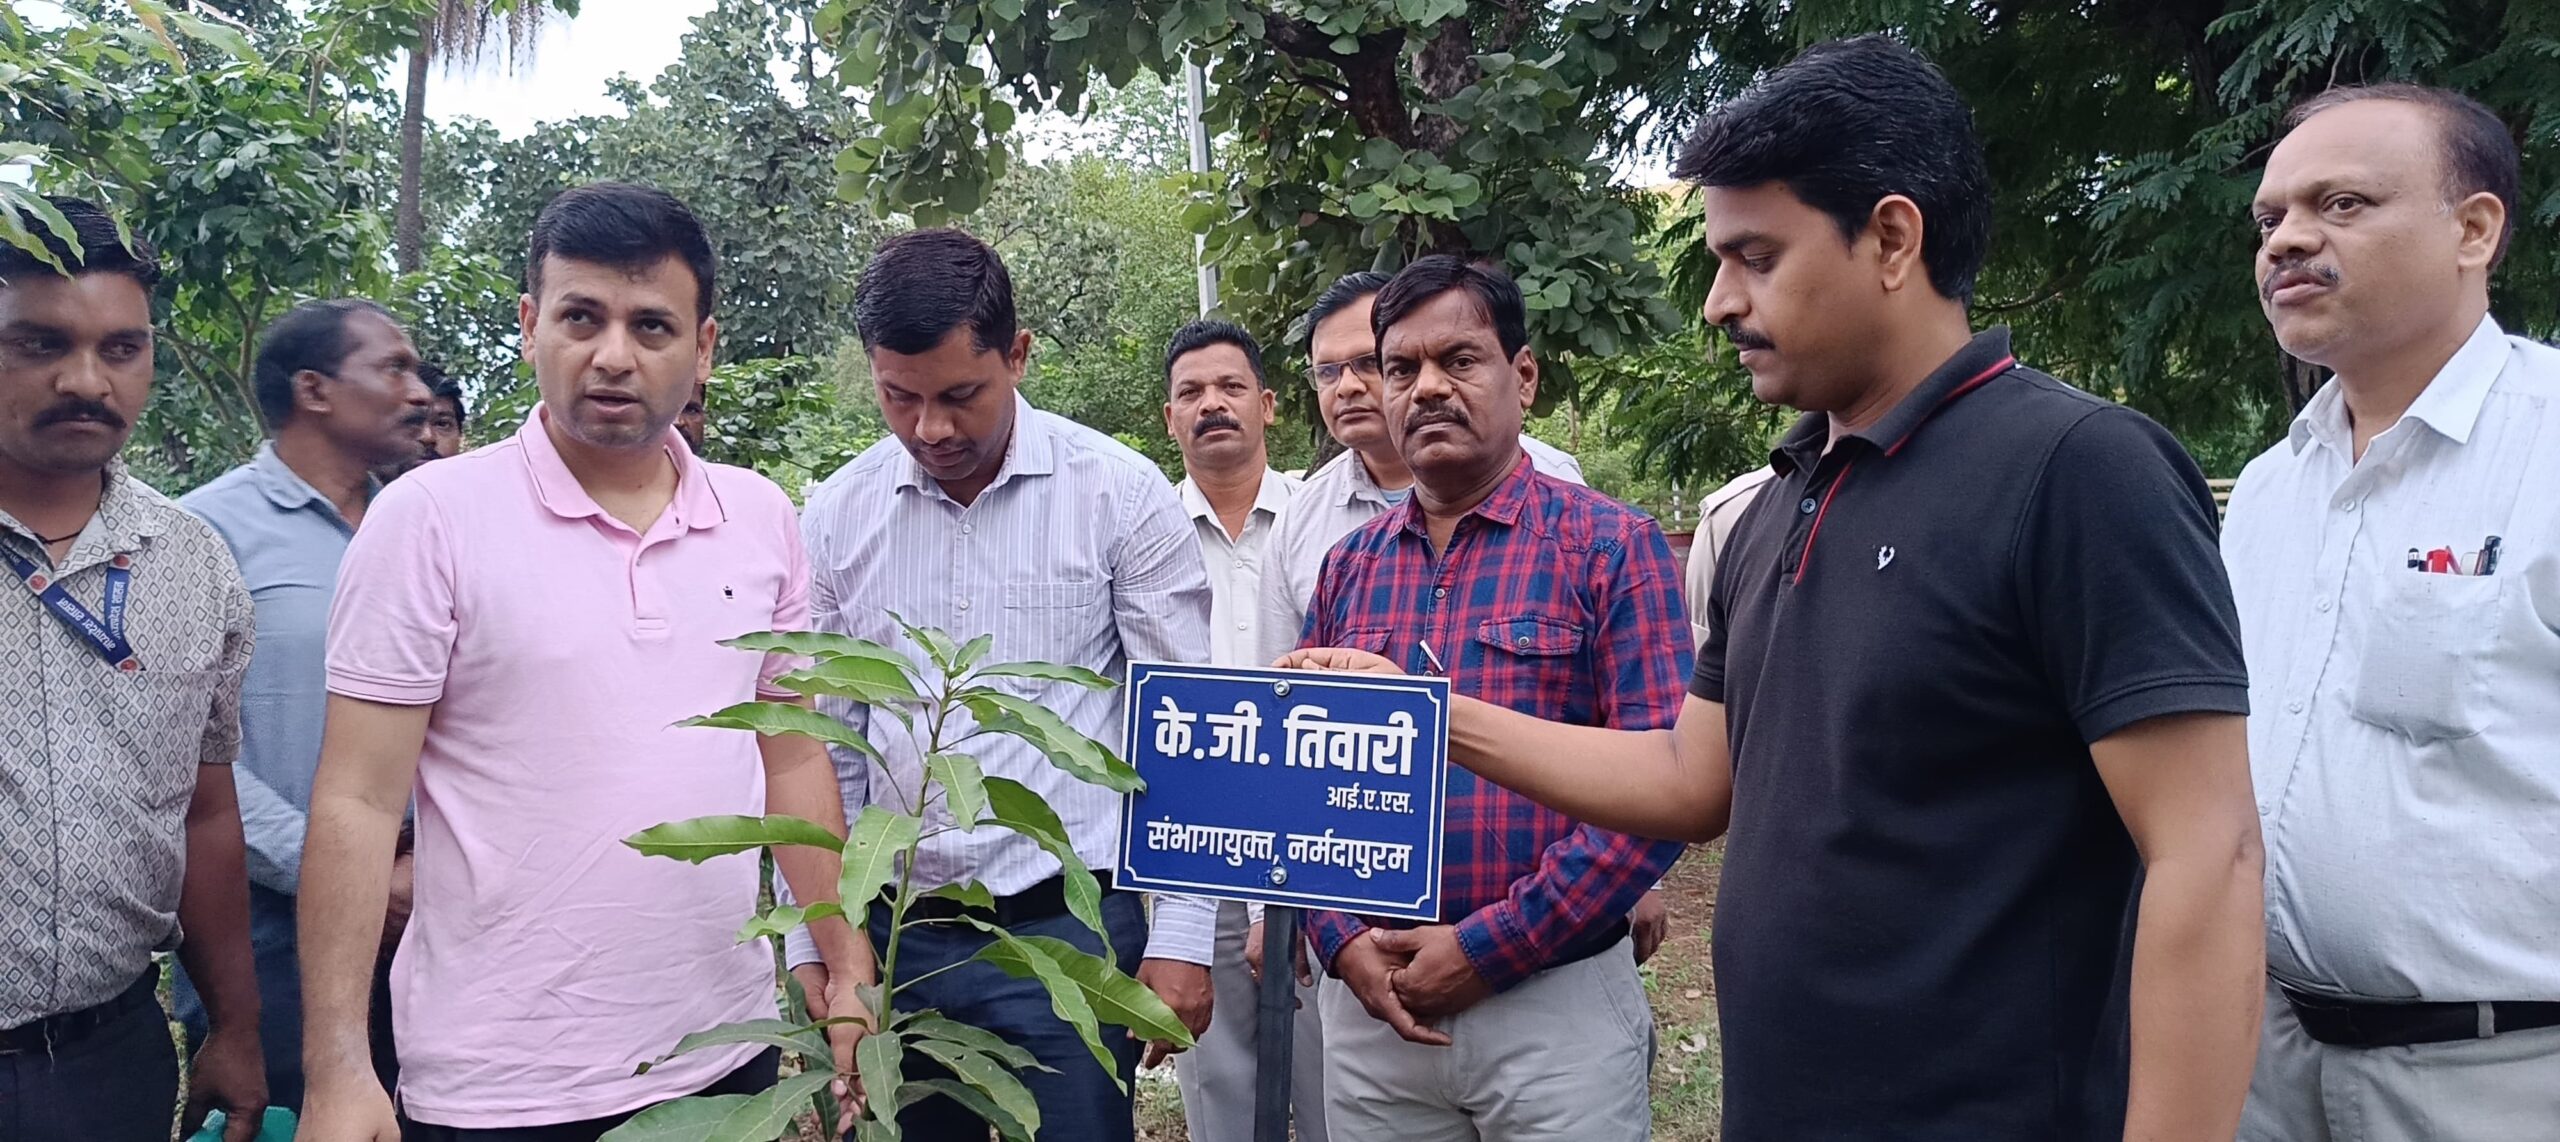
<point>104,636</point>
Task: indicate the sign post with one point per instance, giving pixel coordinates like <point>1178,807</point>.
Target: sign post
<point>1292,789</point>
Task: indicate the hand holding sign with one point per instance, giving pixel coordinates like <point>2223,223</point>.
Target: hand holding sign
<point>1341,660</point>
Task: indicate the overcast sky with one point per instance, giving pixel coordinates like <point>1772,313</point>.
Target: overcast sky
<point>570,65</point>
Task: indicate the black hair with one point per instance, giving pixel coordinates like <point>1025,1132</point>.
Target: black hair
<point>442,387</point>
<point>312,335</point>
<point>1847,124</point>
<point>2479,152</point>
<point>102,250</point>
<point>625,226</point>
<point>923,284</point>
<point>1437,274</point>
<point>1345,291</point>
<point>1201,334</point>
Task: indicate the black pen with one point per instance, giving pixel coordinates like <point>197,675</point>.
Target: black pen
<point>2489,555</point>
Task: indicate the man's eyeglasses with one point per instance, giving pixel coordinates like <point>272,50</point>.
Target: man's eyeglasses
<point>1330,373</point>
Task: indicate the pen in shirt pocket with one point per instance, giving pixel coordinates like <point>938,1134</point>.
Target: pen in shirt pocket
<point>1433,660</point>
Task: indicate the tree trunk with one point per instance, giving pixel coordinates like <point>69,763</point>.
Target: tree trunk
<point>409,224</point>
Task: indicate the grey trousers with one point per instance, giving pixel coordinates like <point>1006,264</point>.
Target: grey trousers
<point>1217,1076</point>
<point>2501,1089</point>
<point>1562,1057</point>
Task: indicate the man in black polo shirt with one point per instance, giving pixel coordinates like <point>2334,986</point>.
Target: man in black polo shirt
<point>1973,679</point>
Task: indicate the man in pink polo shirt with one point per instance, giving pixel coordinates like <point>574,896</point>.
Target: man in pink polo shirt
<point>516,633</point>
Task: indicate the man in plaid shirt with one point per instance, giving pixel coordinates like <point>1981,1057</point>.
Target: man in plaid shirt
<point>1525,1018</point>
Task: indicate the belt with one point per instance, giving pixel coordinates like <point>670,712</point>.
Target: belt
<point>55,1031</point>
<point>1046,900</point>
<point>2360,1023</point>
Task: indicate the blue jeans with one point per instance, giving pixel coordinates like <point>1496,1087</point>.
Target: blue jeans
<point>1078,1102</point>
<point>273,942</point>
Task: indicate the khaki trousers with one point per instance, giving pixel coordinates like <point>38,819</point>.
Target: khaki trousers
<point>2505,1088</point>
<point>1562,1056</point>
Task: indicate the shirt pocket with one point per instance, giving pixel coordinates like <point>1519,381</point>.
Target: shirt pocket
<point>2425,674</point>
<point>1059,621</point>
<point>1527,656</point>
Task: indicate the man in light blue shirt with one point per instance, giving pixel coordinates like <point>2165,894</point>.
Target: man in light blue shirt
<point>339,381</point>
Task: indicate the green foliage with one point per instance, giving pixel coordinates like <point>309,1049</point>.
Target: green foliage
<point>944,706</point>
<point>249,160</point>
<point>2126,140</point>
<point>1361,133</point>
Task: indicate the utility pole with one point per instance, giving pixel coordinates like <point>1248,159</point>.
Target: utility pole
<point>1276,996</point>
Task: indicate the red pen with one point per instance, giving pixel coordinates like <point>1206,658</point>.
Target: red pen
<point>2440,561</point>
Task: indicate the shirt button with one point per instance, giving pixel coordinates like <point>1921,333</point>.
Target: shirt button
<point>1522,642</point>
<point>2294,706</point>
<point>1439,592</point>
<point>2348,506</point>
<point>964,604</point>
<point>966,529</point>
<point>2323,605</point>
<point>1807,506</point>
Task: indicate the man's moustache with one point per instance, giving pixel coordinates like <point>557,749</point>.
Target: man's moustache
<point>79,410</point>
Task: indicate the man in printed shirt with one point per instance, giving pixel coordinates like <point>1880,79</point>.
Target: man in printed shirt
<point>981,515</point>
<point>1524,1019</point>
<point>2405,720</point>
<point>123,636</point>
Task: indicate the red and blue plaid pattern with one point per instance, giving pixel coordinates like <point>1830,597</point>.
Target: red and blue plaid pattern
<point>1552,600</point>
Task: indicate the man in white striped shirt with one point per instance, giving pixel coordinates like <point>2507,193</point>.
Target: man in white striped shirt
<point>984,516</point>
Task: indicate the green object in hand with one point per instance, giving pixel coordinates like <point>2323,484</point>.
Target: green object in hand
<point>278,1127</point>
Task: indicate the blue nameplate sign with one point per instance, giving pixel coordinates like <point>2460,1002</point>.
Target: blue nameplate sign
<point>1287,787</point>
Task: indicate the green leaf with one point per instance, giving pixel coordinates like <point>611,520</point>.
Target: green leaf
<point>937,645</point>
<point>930,1026</point>
<point>771,1032</point>
<point>964,782</point>
<point>703,838</point>
<point>968,894</point>
<point>1023,811</point>
<point>765,1115</point>
<point>868,680</point>
<point>877,1059</point>
<point>786,718</point>
<point>1049,671</point>
<point>785,917</point>
<point>1080,756</point>
<point>1023,959</point>
<point>975,650</point>
<point>880,838</point>
<point>684,1120</point>
<point>1001,1087</point>
<point>978,1104</point>
<point>1117,999</point>
<point>819,644</point>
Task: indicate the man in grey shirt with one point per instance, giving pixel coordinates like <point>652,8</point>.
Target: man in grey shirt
<point>339,381</point>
